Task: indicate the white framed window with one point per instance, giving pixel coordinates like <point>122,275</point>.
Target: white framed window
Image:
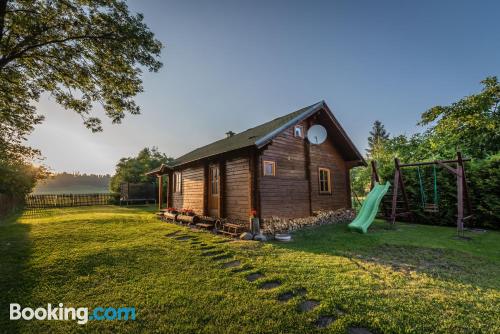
<point>298,131</point>
<point>269,168</point>
<point>177,182</point>
<point>325,183</point>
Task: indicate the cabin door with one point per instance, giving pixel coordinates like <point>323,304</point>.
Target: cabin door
<point>213,191</point>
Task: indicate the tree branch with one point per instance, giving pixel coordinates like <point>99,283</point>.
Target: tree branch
<point>7,59</point>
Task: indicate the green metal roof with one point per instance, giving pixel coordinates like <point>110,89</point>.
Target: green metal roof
<point>259,136</point>
<point>247,138</point>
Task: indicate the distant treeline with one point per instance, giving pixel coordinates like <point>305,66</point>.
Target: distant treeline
<point>73,183</point>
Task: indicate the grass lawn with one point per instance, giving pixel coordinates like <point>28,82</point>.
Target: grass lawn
<point>415,279</point>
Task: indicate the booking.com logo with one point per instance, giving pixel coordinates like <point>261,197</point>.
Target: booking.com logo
<point>80,314</point>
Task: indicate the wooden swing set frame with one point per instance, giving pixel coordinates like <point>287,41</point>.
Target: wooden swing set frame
<point>399,186</point>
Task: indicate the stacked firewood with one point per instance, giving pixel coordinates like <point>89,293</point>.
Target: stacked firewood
<point>282,225</point>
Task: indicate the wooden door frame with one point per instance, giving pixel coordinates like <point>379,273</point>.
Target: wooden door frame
<point>212,166</point>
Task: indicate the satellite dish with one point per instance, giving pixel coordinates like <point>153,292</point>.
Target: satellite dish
<point>316,134</point>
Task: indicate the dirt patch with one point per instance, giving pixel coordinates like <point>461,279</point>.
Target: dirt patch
<point>308,305</point>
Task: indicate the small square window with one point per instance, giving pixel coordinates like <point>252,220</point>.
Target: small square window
<point>269,168</point>
<point>298,131</point>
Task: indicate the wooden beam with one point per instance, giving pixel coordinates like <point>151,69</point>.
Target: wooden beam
<point>415,164</point>
<point>394,196</point>
<point>442,164</point>
<point>466,187</point>
<point>374,175</point>
<point>170,189</point>
<point>205,188</point>
<point>160,191</point>
<point>307,158</point>
<point>222,186</point>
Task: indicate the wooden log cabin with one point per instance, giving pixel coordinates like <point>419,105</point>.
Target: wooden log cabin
<point>274,168</point>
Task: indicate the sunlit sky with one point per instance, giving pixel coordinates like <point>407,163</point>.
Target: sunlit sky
<point>231,65</point>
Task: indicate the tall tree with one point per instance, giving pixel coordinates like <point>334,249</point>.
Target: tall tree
<point>83,53</point>
<point>135,169</point>
<point>471,124</point>
<point>377,136</point>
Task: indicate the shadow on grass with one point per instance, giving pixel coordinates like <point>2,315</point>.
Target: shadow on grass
<point>15,284</point>
<point>398,249</point>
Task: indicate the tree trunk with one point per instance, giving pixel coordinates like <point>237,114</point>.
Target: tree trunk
<point>3,9</point>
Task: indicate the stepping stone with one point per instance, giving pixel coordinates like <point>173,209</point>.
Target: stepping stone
<point>183,238</point>
<point>285,296</point>
<point>207,247</point>
<point>203,244</point>
<point>241,269</point>
<point>255,276</point>
<point>358,330</point>
<point>324,321</point>
<point>170,235</point>
<point>270,285</point>
<point>195,242</point>
<point>212,253</point>
<point>222,257</point>
<point>231,264</point>
<point>308,305</point>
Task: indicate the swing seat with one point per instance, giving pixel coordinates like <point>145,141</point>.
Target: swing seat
<point>431,208</point>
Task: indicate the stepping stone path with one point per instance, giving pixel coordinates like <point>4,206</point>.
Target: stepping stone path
<point>270,285</point>
<point>286,296</point>
<point>308,305</point>
<point>358,330</point>
<point>222,257</point>
<point>324,321</point>
<point>231,264</point>
<point>255,276</point>
<point>241,269</point>
<point>212,253</point>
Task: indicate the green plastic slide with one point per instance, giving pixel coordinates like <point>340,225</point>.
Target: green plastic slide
<point>369,208</point>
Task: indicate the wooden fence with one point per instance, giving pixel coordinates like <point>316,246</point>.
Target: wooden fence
<point>68,200</point>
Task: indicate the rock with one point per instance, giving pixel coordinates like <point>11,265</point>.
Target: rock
<point>260,237</point>
<point>246,236</point>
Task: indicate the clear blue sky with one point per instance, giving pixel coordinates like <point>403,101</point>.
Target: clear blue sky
<point>231,65</point>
